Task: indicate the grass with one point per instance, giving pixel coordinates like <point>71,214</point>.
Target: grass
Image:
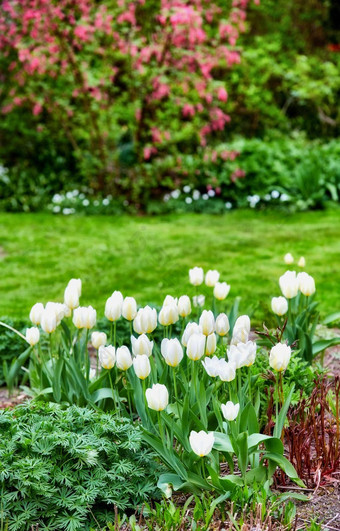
<point>150,257</point>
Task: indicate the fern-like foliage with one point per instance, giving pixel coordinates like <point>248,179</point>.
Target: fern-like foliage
<point>67,468</point>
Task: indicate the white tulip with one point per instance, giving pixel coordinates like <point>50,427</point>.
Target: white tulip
<point>196,276</point>
<point>145,321</point>
<point>210,346</point>
<point>58,308</point>
<point>289,284</point>
<point>207,322</point>
<point>168,315</point>
<point>92,373</point>
<point>84,317</point>
<point>279,357</point>
<point>172,351</point>
<point>279,305</point>
<point>241,330</point>
<point>142,366</point>
<point>113,306</point>
<point>222,324</point>
<point>36,313</point>
<point>288,258</point>
<point>98,339</point>
<point>212,276</point>
<point>123,358</point>
<point>67,311</point>
<point>226,370</point>
<point>48,320</point>
<point>212,366</point>
<point>32,335</point>
<point>242,354</point>
<point>221,290</point>
<point>302,262</point>
<point>71,297</point>
<point>201,442</point>
<point>169,300</point>
<point>306,284</point>
<point>157,397</point>
<point>230,410</point>
<point>75,283</point>
<point>198,301</point>
<point>141,345</point>
<point>107,356</point>
<point>191,328</point>
<point>196,346</point>
<point>184,306</point>
<point>129,308</point>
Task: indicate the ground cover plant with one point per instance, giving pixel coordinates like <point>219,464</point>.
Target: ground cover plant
<point>68,468</point>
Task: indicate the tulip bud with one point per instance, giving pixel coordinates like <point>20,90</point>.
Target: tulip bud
<point>157,397</point>
<point>141,345</point>
<point>172,351</point>
<point>230,410</point>
<point>221,290</point>
<point>196,346</point>
<point>98,339</point>
<point>32,335</point>
<point>201,442</point>
<point>212,366</point>
<point>207,322</point>
<point>198,301</point>
<point>288,259</point>
<point>184,306</point>
<point>169,300</point>
<point>107,356</point>
<point>222,324</point>
<point>142,366</point>
<point>212,276</point>
<point>226,371</point>
<point>242,354</point>
<point>168,315</point>
<point>279,357</point>
<point>279,305</point>
<point>129,308</point>
<point>210,346</point>
<point>71,297</point>
<point>302,262</point>
<point>113,306</point>
<point>241,330</point>
<point>306,284</point>
<point>123,358</point>
<point>36,313</point>
<point>191,328</point>
<point>289,284</point>
<point>145,321</point>
<point>75,283</point>
<point>84,317</point>
<point>196,276</point>
<point>48,321</point>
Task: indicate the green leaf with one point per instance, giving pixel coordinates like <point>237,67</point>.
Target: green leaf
<point>258,474</point>
<point>222,442</point>
<point>56,383</point>
<point>283,413</point>
<point>101,394</point>
<point>330,318</point>
<point>169,479</point>
<point>242,452</point>
<point>286,466</point>
<point>322,344</point>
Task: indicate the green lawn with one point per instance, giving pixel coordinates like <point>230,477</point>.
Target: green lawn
<point>150,257</point>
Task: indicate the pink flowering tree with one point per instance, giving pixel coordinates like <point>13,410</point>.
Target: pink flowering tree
<point>137,87</point>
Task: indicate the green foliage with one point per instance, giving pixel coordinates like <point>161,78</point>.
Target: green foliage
<point>68,469</point>
<point>10,346</point>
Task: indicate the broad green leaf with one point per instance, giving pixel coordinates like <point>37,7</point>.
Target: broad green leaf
<point>283,413</point>
<point>100,394</point>
<point>322,344</point>
<point>286,466</point>
<point>222,442</point>
<point>242,452</point>
<point>331,318</point>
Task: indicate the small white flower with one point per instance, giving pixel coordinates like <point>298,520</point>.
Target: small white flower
<point>275,194</point>
<point>230,410</point>
<point>188,200</point>
<point>228,205</point>
<point>187,189</point>
<point>201,442</point>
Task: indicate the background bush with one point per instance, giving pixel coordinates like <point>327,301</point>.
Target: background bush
<point>68,469</point>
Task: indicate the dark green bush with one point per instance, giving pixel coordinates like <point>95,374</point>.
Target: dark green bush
<point>68,468</point>
<point>10,345</point>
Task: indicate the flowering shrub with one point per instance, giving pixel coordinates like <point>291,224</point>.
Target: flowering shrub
<point>128,82</point>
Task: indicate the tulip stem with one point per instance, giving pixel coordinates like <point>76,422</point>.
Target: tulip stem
<point>203,469</point>
<point>86,356</point>
<point>131,333</point>
<point>160,427</point>
<point>113,394</point>
<point>175,383</point>
<point>111,333</point>
<point>239,382</point>
<point>249,384</point>
<point>277,404</point>
<point>114,333</point>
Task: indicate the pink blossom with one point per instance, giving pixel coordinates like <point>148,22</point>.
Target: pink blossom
<point>222,94</point>
<point>37,108</point>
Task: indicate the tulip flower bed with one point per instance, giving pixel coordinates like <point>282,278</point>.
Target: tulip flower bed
<point>187,375</point>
